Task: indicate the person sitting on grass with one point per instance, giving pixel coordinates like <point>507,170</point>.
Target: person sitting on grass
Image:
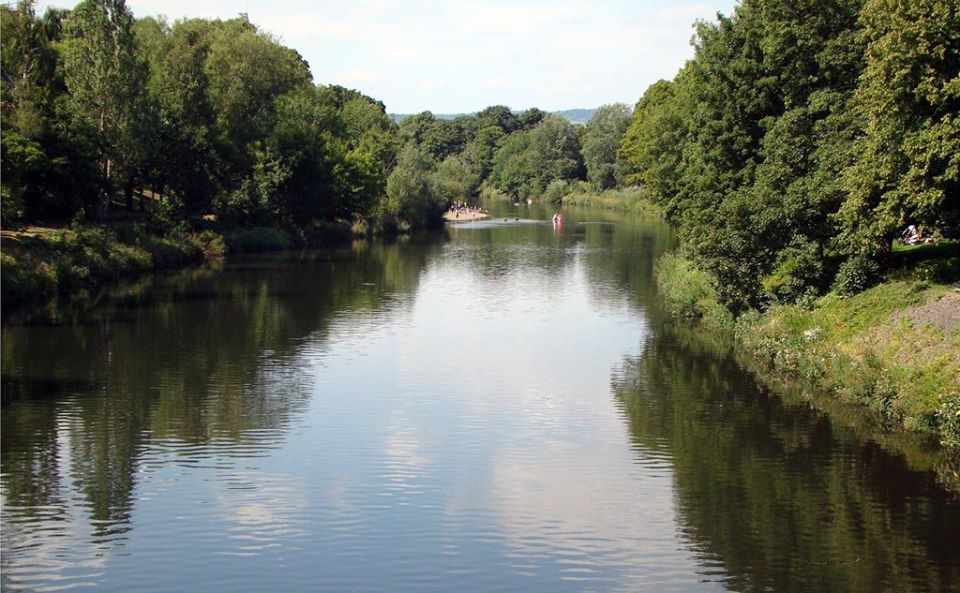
<point>910,235</point>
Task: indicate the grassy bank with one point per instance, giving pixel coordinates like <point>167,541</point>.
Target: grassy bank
<point>893,349</point>
<point>631,199</point>
<point>41,264</point>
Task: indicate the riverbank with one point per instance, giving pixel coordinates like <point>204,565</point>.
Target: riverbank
<point>632,200</point>
<point>39,263</point>
<point>893,349</point>
<point>464,215</point>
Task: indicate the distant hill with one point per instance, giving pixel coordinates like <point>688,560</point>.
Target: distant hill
<point>575,116</point>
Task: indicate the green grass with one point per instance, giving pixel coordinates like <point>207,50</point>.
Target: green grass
<point>938,262</point>
<point>631,199</point>
<point>80,257</point>
<point>893,348</point>
<point>868,350</point>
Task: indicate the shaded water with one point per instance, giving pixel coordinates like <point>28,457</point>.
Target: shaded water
<point>502,409</point>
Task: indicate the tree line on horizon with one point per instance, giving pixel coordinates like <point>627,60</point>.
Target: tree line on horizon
<point>788,152</point>
<point>215,119</point>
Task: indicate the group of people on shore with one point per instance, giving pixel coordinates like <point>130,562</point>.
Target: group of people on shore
<point>458,208</point>
<point>914,236</point>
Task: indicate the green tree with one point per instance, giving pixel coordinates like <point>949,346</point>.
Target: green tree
<point>651,151</point>
<point>106,82</point>
<point>48,165</point>
<point>186,162</point>
<point>527,161</point>
<point>448,137</point>
<point>745,149</point>
<point>556,150</point>
<point>479,152</point>
<point>908,103</point>
<point>411,194</point>
<point>453,181</point>
<point>414,128</point>
<point>371,132</point>
<point>530,118</point>
<point>601,139</point>
<point>246,70</point>
<point>500,116</point>
<point>513,170</point>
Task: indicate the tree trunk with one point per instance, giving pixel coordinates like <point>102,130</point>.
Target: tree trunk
<point>128,194</point>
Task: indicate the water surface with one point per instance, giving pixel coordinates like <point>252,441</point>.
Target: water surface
<point>499,409</point>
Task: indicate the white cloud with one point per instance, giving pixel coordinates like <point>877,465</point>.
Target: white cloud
<point>360,75</point>
<point>461,56</point>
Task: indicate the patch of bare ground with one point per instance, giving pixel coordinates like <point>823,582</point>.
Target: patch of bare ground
<point>943,312</point>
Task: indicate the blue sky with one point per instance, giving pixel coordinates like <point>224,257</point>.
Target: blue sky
<point>452,57</point>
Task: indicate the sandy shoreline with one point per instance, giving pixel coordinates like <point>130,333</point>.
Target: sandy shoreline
<point>464,216</point>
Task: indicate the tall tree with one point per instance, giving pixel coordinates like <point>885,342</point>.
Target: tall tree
<point>48,165</point>
<point>411,195</point>
<point>106,79</point>
<point>908,101</point>
<point>246,71</point>
<point>601,138</point>
<point>651,152</point>
<point>527,161</point>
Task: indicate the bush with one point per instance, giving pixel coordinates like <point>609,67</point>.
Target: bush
<point>21,282</point>
<point>948,418</point>
<point>943,271</point>
<point>257,239</point>
<point>556,190</point>
<point>855,275</point>
<point>11,209</point>
<point>211,245</point>
<point>687,291</point>
<point>167,252</point>
<point>797,274</point>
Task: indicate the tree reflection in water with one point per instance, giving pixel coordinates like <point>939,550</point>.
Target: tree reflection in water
<point>783,498</point>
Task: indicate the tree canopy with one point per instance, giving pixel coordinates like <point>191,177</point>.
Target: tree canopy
<point>802,137</point>
<point>799,139</point>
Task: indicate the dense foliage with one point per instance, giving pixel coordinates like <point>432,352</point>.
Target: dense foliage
<point>209,120</point>
<point>198,118</point>
<point>789,152</point>
<point>802,138</point>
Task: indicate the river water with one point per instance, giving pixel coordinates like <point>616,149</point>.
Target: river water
<point>503,408</point>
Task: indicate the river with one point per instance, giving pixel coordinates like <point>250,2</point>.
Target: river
<point>502,408</point>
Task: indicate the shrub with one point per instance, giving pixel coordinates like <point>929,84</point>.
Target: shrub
<point>942,271</point>
<point>166,252</point>
<point>257,239</point>
<point>855,275</point>
<point>948,418</point>
<point>687,291</point>
<point>556,190</point>
<point>796,275</point>
<point>21,282</point>
<point>11,209</point>
<point>209,244</point>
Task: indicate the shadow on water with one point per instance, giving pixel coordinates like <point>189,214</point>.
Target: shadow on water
<point>191,358</point>
<point>781,496</point>
<point>208,367</point>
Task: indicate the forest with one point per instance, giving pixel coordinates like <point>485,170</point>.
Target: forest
<point>789,152</point>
